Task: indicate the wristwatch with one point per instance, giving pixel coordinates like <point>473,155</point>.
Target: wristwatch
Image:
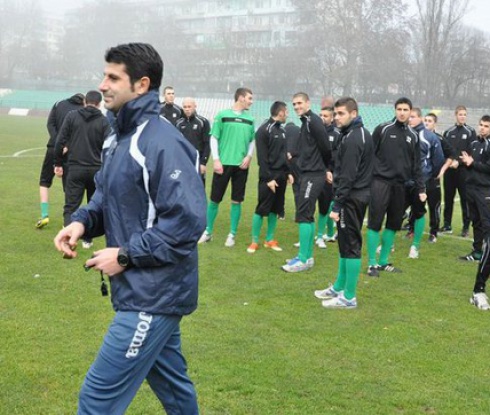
<point>123,258</point>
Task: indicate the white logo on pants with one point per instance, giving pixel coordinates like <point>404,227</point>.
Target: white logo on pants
<point>139,335</point>
<point>308,189</point>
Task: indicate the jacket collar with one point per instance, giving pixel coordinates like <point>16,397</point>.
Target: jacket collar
<point>356,123</point>
<point>134,113</point>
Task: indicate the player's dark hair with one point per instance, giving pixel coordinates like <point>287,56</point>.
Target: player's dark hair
<point>93,97</point>
<point>167,88</point>
<point>485,118</point>
<point>349,103</point>
<point>434,116</point>
<point>277,107</point>
<point>242,92</point>
<point>327,108</point>
<point>403,100</point>
<point>140,59</point>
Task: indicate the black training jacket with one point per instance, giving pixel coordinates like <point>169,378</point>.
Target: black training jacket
<point>270,142</point>
<point>354,163</point>
<point>196,129</point>
<point>397,155</point>
<point>58,113</point>
<point>172,112</point>
<point>479,171</point>
<point>83,132</point>
<point>314,152</point>
<point>460,137</point>
<point>333,135</point>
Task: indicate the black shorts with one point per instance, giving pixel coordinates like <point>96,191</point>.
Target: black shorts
<point>386,199</point>
<point>47,169</point>
<point>350,225</point>
<point>270,202</point>
<point>325,198</point>
<point>310,187</point>
<point>238,178</point>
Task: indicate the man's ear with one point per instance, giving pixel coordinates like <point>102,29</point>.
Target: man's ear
<point>142,86</point>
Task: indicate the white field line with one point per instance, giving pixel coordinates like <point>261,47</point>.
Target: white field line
<point>22,152</point>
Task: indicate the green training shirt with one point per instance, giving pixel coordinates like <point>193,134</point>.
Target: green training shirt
<point>234,133</point>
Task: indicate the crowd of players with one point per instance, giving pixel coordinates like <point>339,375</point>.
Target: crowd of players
<point>331,160</point>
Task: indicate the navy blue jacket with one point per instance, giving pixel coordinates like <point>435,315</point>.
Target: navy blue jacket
<point>431,154</point>
<point>149,200</point>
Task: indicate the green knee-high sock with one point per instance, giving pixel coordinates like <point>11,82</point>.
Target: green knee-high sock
<point>211,216</point>
<point>330,222</point>
<point>353,269</point>
<point>256,226</point>
<point>418,231</point>
<point>386,244</point>
<point>341,275</point>
<point>312,240</point>
<point>271,226</point>
<point>235,213</point>
<point>372,245</point>
<point>305,239</point>
<point>44,209</point>
<point>322,222</point>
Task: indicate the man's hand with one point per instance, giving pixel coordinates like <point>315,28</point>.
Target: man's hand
<point>67,238</point>
<point>329,177</point>
<point>454,164</point>
<point>105,260</point>
<point>58,171</point>
<point>246,163</point>
<point>334,216</point>
<point>272,185</point>
<point>202,169</point>
<point>290,179</point>
<point>423,197</point>
<point>217,167</point>
<point>466,159</point>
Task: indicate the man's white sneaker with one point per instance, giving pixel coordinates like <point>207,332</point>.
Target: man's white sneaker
<point>205,237</point>
<point>296,265</point>
<point>87,244</point>
<point>230,240</point>
<point>480,300</point>
<point>414,252</point>
<point>340,302</point>
<point>320,243</point>
<point>327,293</point>
<point>327,238</point>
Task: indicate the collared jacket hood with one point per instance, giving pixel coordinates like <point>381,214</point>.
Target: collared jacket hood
<point>150,200</point>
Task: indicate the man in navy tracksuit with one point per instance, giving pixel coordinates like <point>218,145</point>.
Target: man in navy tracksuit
<point>477,163</point>
<point>151,206</point>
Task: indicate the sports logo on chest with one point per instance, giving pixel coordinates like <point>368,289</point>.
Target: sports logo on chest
<point>409,139</point>
<point>464,136</point>
<point>194,127</point>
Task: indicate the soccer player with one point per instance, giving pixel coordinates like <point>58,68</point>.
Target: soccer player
<point>432,160</point>
<point>55,120</point>
<point>170,110</point>
<point>83,133</point>
<point>460,137</point>
<point>314,155</point>
<point>351,181</point>
<point>292,139</point>
<point>325,201</point>
<point>196,129</point>
<point>396,165</point>
<point>232,146</point>
<point>477,163</point>
<point>270,141</point>
<point>150,204</point>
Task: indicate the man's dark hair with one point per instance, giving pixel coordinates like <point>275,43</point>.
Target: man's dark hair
<point>433,116</point>
<point>347,102</point>
<point>277,107</point>
<point>327,108</point>
<point>242,92</point>
<point>93,97</point>
<point>485,118</point>
<point>167,88</point>
<point>140,59</point>
<point>417,111</point>
<point>403,100</point>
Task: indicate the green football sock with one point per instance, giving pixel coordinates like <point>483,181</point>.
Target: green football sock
<point>256,226</point>
<point>330,222</point>
<point>341,274</point>
<point>372,245</point>
<point>305,239</point>
<point>353,269</point>
<point>322,222</point>
<point>418,231</point>
<point>212,213</point>
<point>387,241</point>
<point>235,213</point>
<point>312,240</point>
<point>44,209</point>
<point>271,226</point>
